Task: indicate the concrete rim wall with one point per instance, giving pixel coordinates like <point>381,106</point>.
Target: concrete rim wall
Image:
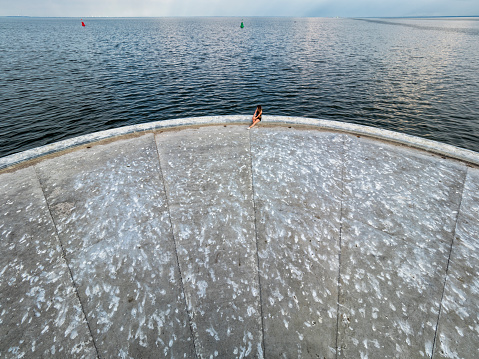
<point>391,136</point>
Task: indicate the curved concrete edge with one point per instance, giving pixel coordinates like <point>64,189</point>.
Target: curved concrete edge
<point>391,136</point>
<point>387,135</point>
<point>34,153</point>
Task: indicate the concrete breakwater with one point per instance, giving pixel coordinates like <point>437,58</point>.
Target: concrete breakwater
<point>299,238</point>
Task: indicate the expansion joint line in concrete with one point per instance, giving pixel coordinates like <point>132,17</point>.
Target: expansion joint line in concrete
<point>343,165</point>
<point>174,243</point>
<point>447,266</point>
<point>75,286</point>
<point>257,248</point>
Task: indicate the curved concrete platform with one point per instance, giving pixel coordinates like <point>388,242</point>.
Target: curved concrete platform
<point>299,238</point>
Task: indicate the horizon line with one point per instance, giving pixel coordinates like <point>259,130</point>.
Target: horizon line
<point>243,16</point>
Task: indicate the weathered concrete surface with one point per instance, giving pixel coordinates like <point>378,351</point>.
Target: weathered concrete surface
<point>459,324</point>
<point>218,241</point>
<point>110,210</point>
<point>399,215</point>
<point>208,181</point>
<point>298,189</point>
<point>40,315</point>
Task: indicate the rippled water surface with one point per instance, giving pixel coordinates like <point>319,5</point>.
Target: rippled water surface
<point>59,80</point>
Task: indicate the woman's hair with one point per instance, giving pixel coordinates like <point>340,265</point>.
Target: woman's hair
<point>259,107</point>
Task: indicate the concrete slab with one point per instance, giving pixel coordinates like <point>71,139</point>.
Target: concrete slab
<point>399,215</point>
<point>40,314</point>
<point>110,210</point>
<point>390,295</point>
<point>207,174</point>
<point>298,189</point>
<point>458,331</point>
<point>403,192</point>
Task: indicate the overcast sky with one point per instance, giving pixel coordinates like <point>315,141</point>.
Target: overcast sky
<point>327,8</point>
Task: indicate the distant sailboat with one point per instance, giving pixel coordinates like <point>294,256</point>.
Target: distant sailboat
<point>82,23</point>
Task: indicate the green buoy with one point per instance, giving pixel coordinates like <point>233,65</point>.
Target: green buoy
<point>241,24</point>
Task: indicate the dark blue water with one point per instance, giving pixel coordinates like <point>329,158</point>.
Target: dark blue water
<point>59,80</point>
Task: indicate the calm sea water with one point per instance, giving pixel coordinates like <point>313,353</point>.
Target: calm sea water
<point>59,80</point>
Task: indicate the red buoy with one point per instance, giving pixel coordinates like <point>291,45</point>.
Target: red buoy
<point>82,23</point>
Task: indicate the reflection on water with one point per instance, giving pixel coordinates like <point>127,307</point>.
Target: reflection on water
<point>458,25</point>
<point>59,80</point>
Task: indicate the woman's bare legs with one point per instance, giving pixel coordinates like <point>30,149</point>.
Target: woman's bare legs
<point>255,121</point>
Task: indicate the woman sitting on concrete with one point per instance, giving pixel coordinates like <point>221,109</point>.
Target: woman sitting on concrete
<point>256,116</point>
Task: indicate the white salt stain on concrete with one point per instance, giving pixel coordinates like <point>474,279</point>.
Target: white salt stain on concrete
<point>212,332</point>
<point>202,285</point>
